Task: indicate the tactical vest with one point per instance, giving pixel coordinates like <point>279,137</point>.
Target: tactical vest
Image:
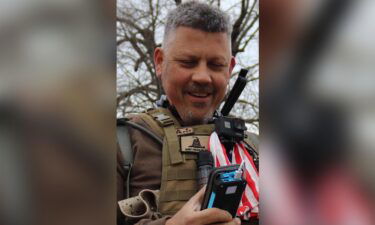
<point>179,155</point>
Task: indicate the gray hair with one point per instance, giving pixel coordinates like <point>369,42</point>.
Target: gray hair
<point>198,15</point>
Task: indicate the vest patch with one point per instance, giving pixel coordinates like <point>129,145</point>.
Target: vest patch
<point>184,131</point>
<point>195,143</point>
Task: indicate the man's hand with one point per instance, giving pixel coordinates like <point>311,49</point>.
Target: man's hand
<point>190,214</point>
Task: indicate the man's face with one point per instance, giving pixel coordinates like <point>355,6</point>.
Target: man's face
<point>194,68</point>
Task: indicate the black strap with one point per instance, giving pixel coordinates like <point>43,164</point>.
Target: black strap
<point>123,140</point>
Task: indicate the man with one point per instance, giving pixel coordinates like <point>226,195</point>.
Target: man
<point>194,66</point>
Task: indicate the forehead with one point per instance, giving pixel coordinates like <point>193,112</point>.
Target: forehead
<point>186,39</point>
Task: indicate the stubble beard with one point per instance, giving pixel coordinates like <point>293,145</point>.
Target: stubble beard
<point>189,118</point>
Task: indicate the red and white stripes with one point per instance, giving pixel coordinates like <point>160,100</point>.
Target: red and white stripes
<point>250,199</point>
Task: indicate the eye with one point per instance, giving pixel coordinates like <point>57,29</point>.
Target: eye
<point>216,65</point>
<point>188,63</point>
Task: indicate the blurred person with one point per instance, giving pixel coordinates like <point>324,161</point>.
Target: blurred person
<point>56,109</point>
<point>305,178</point>
<point>194,66</point>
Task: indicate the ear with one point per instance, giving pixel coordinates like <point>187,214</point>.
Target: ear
<point>158,59</point>
<point>231,65</point>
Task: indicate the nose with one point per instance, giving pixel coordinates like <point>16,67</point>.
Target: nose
<point>202,74</point>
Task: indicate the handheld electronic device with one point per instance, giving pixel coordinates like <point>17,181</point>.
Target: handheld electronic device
<point>225,188</point>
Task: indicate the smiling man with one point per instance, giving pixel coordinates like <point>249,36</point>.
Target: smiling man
<point>194,66</point>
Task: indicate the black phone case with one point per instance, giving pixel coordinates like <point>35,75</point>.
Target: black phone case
<point>222,198</point>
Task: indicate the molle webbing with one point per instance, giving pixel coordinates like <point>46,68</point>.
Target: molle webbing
<point>178,182</point>
<point>181,174</point>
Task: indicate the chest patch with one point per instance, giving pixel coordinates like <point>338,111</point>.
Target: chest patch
<point>195,143</point>
<point>184,131</point>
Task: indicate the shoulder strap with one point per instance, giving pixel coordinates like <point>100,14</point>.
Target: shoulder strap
<point>168,123</point>
<point>123,140</point>
<point>123,137</point>
<point>154,126</point>
<point>124,143</point>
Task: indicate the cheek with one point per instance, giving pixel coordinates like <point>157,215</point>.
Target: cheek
<point>177,78</point>
<point>221,86</point>
<point>173,81</point>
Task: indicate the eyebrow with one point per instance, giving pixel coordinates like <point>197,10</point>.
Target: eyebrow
<point>192,56</point>
<point>185,54</point>
<point>219,58</point>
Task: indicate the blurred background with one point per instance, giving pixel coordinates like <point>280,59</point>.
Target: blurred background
<point>317,95</point>
<point>140,29</point>
<point>57,112</point>
<point>59,100</point>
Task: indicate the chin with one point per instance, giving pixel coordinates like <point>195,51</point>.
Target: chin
<point>191,118</point>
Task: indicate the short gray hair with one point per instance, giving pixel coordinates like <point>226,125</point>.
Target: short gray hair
<point>200,16</point>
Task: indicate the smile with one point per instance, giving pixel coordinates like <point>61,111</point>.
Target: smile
<point>199,94</point>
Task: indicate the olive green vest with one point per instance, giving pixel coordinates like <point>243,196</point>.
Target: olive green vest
<point>179,155</point>
<point>179,170</point>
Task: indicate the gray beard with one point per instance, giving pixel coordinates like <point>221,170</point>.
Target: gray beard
<point>189,119</point>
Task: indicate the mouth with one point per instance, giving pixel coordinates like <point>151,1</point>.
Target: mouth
<point>199,98</point>
<point>199,94</point>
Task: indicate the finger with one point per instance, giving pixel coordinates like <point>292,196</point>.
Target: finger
<point>213,215</point>
<point>198,197</point>
<point>195,202</point>
<point>237,221</point>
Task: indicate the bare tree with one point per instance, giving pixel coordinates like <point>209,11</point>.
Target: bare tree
<point>140,27</point>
